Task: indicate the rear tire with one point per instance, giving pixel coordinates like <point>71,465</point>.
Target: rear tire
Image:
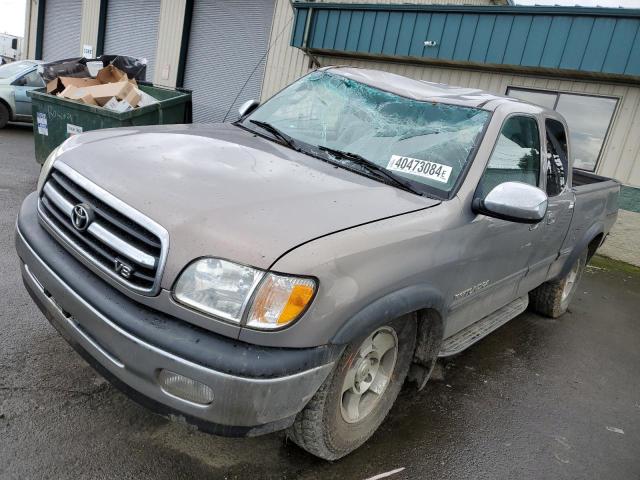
<point>4,115</point>
<point>339,418</point>
<point>553,298</point>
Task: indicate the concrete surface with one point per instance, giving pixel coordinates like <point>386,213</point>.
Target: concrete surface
<point>538,399</point>
<point>623,243</point>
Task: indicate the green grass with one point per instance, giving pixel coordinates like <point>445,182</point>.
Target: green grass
<point>610,264</point>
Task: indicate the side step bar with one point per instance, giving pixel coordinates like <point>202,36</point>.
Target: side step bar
<point>483,327</point>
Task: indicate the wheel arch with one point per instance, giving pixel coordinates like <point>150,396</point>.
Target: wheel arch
<point>590,240</point>
<point>415,298</point>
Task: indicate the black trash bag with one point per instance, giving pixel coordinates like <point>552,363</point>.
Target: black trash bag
<point>69,67</point>
<point>133,67</point>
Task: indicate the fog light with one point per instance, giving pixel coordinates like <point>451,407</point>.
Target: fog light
<point>185,387</point>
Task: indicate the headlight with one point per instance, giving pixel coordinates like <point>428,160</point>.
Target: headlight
<point>218,287</point>
<point>224,289</point>
<point>46,168</point>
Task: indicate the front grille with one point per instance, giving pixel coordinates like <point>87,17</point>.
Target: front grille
<point>125,245</point>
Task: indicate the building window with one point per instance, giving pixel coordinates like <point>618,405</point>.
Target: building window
<point>588,117</point>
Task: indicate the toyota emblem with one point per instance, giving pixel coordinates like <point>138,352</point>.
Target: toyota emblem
<point>81,217</point>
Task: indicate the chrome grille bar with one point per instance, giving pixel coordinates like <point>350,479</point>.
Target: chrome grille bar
<point>121,246</point>
<point>116,233</point>
<point>100,232</point>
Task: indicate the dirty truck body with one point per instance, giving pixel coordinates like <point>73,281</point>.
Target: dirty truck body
<point>248,280</point>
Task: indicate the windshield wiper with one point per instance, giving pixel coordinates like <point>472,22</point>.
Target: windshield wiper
<point>276,132</point>
<point>371,166</point>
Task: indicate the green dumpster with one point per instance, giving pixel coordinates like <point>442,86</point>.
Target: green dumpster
<point>55,119</point>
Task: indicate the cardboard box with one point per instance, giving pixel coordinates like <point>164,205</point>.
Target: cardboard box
<point>118,105</point>
<point>100,93</point>
<point>111,74</point>
<point>133,97</point>
<point>74,93</point>
<point>78,82</point>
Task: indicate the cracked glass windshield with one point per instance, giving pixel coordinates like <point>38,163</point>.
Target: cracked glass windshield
<point>426,143</point>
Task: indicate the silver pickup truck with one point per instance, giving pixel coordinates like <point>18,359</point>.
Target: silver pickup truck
<point>291,270</point>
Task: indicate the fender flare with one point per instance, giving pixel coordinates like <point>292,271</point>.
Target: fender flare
<point>593,231</point>
<point>389,307</point>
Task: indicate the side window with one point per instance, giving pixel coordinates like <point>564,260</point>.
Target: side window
<point>32,79</point>
<point>557,158</point>
<point>516,156</point>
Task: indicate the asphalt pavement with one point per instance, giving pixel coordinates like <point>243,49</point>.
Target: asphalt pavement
<point>537,399</point>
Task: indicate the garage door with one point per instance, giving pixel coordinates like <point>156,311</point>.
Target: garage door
<point>228,42</point>
<point>132,29</point>
<point>61,35</point>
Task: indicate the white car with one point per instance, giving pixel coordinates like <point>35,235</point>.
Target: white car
<point>16,79</point>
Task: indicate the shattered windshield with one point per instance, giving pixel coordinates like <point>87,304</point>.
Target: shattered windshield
<point>423,142</point>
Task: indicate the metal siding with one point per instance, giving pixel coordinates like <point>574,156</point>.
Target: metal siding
<point>482,37</point>
<point>633,62</point>
<point>227,48</point>
<point>498,41</point>
<point>555,42</point>
<point>450,36</point>
<point>423,29</point>
<point>353,35</point>
<point>301,21</point>
<point>392,34</point>
<point>465,38</point>
<point>343,30</point>
<point>517,39</point>
<point>598,44</point>
<point>577,40</point>
<point>536,40</point>
<point>549,37</point>
<point>618,53</point>
<point>90,20</point>
<point>62,26</point>
<point>285,63</point>
<point>169,42</point>
<point>132,29</point>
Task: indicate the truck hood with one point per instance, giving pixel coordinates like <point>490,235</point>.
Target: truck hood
<point>222,191</point>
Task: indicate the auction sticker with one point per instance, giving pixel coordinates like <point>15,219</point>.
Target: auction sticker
<point>422,168</point>
<point>42,124</point>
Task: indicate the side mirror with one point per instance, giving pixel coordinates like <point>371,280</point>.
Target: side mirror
<point>513,201</point>
<point>247,107</point>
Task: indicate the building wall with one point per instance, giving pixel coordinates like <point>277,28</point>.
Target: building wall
<point>90,21</point>
<point>169,38</point>
<point>30,27</point>
<point>286,63</point>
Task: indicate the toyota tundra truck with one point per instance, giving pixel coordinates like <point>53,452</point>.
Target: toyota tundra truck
<point>291,270</point>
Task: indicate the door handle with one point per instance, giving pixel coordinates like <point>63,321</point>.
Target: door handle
<point>551,219</point>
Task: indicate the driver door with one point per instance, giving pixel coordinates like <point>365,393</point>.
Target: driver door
<point>22,85</point>
<point>496,252</point>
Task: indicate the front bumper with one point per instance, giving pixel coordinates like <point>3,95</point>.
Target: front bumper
<point>256,389</point>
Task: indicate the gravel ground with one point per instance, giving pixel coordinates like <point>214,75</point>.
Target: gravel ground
<point>539,398</point>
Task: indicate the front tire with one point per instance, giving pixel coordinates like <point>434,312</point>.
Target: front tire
<point>357,396</point>
<point>553,298</point>
<point>4,115</point>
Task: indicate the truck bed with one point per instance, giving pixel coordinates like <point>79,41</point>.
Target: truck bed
<point>582,177</point>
